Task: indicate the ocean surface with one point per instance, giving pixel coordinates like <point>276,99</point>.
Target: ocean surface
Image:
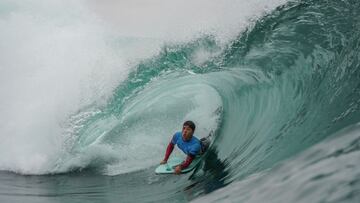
<point>91,92</point>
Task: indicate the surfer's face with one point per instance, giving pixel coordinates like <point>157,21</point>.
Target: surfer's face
<point>187,133</point>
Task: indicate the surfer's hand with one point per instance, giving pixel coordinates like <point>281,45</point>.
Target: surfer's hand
<point>178,170</point>
<point>163,162</point>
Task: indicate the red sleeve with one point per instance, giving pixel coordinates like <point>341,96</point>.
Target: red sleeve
<point>169,149</point>
<point>187,162</point>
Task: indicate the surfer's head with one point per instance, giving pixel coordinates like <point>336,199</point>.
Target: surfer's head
<point>188,130</point>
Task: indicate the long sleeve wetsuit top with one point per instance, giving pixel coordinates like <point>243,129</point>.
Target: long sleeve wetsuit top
<point>191,148</point>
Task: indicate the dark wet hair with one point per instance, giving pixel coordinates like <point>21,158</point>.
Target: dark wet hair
<point>190,124</point>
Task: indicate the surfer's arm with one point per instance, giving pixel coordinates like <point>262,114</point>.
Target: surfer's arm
<point>169,150</point>
<point>187,161</point>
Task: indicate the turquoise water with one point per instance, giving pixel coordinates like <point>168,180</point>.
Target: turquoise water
<point>281,97</point>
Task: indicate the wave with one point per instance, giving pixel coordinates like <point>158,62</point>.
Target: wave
<point>285,83</point>
<point>274,91</point>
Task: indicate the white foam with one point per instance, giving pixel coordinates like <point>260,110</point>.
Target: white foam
<point>182,19</point>
<point>55,60</point>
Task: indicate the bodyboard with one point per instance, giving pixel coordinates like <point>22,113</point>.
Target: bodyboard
<point>169,167</point>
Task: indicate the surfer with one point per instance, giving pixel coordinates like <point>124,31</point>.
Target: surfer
<point>188,143</point>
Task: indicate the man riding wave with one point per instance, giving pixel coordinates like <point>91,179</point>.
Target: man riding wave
<point>188,143</point>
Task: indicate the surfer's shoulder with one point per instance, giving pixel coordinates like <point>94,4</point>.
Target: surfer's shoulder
<point>176,137</point>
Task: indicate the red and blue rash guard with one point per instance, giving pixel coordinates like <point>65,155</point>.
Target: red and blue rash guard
<point>191,148</point>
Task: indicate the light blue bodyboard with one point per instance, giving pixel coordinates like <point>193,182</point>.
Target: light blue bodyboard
<point>169,167</point>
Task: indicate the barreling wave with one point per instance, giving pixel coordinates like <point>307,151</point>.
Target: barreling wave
<point>286,83</point>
